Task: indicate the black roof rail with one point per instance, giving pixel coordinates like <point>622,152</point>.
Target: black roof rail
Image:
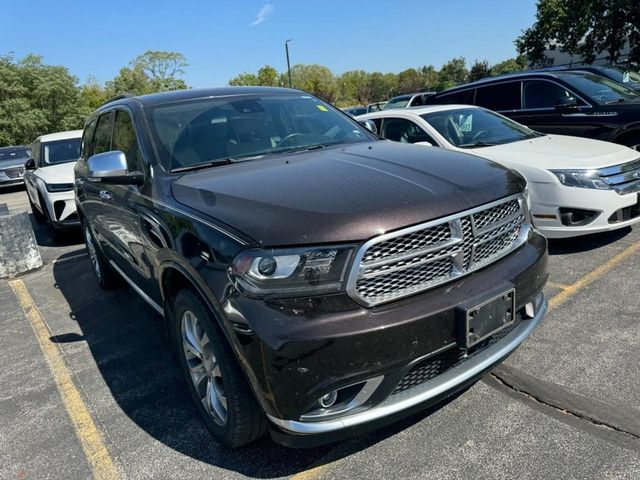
<point>118,97</point>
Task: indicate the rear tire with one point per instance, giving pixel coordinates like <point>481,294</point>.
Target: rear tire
<point>106,277</point>
<point>213,375</point>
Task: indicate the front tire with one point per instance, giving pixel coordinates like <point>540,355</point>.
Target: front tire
<point>106,277</point>
<point>37,214</point>
<point>215,380</point>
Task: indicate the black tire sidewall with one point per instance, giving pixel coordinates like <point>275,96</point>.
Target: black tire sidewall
<point>188,300</point>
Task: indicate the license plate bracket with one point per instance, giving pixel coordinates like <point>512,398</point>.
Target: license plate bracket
<point>489,317</point>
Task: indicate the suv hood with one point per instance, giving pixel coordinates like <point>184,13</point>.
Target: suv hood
<point>12,163</point>
<point>343,194</point>
<point>60,173</point>
<point>560,151</point>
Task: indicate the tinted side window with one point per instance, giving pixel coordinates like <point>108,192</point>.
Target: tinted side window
<point>124,139</point>
<point>102,137</point>
<point>86,138</point>
<point>404,131</point>
<point>464,97</point>
<point>543,94</point>
<point>503,96</point>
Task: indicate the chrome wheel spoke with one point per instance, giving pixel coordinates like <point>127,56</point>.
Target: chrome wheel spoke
<point>203,367</point>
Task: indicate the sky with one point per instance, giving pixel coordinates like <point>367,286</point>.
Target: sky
<point>222,38</point>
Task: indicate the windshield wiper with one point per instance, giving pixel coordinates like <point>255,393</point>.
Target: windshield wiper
<point>212,163</point>
<point>477,144</point>
<point>304,149</point>
<point>617,100</point>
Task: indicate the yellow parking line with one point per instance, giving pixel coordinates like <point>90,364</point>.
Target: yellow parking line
<point>592,276</point>
<point>102,466</point>
<point>559,286</point>
<point>310,474</point>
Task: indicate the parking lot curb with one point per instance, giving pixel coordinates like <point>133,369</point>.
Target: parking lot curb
<point>19,251</point>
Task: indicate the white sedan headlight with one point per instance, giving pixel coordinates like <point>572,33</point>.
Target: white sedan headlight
<point>581,179</point>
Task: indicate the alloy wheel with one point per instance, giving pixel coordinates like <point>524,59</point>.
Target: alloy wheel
<point>203,367</point>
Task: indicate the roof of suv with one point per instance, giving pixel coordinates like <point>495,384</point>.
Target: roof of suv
<point>52,137</point>
<point>514,75</point>
<point>192,94</point>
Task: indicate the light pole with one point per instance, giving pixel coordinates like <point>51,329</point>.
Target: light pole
<point>286,48</point>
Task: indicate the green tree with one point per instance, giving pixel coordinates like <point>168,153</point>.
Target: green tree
<point>268,77</point>
<point>36,98</point>
<point>356,86</point>
<point>130,80</point>
<point>478,70</point>
<point>452,73</point>
<point>315,79</point>
<point>510,65</point>
<point>409,81</point>
<point>584,28</point>
<point>430,77</point>
<point>244,80</point>
<point>162,68</point>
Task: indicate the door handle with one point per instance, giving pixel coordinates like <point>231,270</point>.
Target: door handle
<point>104,195</point>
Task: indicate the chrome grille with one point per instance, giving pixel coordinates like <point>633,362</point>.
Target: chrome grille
<point>16,172</point>
<point>414,259</point>
<point>624,178</point>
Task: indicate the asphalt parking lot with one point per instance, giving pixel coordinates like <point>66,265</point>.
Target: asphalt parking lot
<point>88,387</point>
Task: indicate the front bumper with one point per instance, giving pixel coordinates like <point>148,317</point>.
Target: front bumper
<point>295,351</point>
<point>6,180</point>
<point>548,198</point>
<point>422,395</point>
<point>62,209</point>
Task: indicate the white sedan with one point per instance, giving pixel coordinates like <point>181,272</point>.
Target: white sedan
<point>577,185</point>
<point>49,180</point>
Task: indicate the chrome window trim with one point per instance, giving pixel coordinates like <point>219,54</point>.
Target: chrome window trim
<point>357,268</point>
<point>428,390</point>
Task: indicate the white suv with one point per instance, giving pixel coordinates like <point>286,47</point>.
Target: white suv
<point>49,180</point>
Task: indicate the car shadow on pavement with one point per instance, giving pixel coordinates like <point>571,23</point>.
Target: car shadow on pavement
<point>563,246</point>
<point>127,341</point>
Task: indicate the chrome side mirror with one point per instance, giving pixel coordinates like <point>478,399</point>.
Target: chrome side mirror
<point>111,167</point>
<point>369,125</point>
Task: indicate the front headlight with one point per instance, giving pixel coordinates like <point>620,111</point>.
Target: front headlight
<point>59,187</point>
<point>580,178</point>
<point>291,272</point>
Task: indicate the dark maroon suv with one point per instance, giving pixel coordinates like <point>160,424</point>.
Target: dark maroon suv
<point>315,280</point>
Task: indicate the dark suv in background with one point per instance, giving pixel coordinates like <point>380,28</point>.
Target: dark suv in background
<point>314,279</point>
<point>582,104</point>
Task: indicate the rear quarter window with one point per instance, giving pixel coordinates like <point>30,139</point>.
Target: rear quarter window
<point>464,97</point>
<point>501,96</point>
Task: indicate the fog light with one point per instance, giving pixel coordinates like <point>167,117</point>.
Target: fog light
<point>329,399</point>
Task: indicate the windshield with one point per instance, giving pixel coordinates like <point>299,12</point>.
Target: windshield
<point>61,151</point>
<point>201,132</point>
<point>629,78</point>
<point>477,127</point>
<point>398,102</point>
<point>600,89</point>
<point>14,153</point>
